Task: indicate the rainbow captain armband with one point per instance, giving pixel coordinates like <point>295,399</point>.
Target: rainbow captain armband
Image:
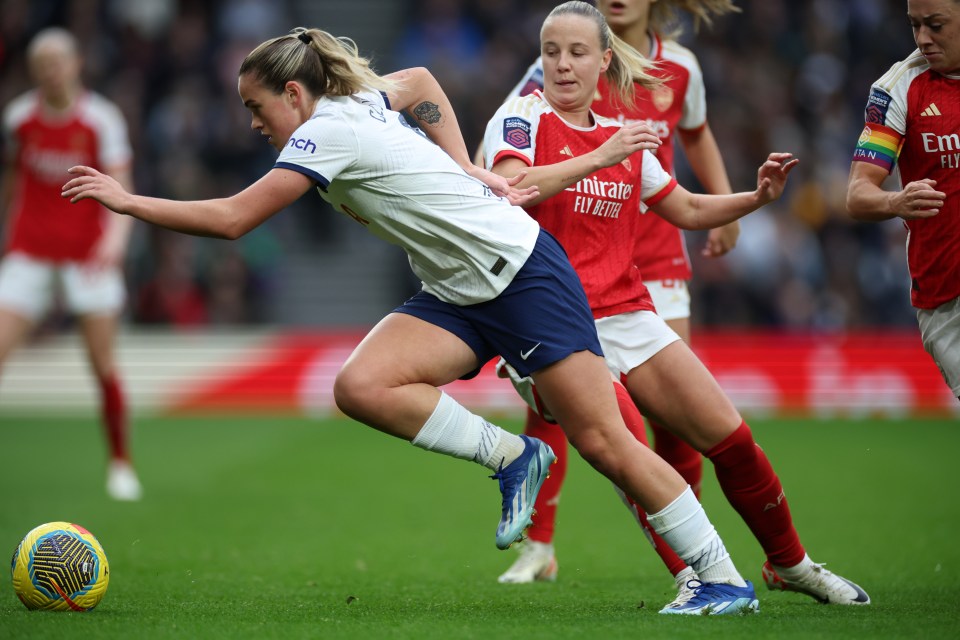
<point>878,145</point>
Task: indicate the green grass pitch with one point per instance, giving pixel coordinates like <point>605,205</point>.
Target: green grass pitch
<point>273,527</point>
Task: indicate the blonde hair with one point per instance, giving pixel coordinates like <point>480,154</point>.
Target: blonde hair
<point>665,20</point>
<point>56,36</point>
<point>326,65</point>
<point>627,65</point>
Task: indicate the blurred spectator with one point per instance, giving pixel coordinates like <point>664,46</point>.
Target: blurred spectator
<point>172,295</point>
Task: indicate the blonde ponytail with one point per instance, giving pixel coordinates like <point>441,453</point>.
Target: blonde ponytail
<point>326,65</point>
<point>665,20</point>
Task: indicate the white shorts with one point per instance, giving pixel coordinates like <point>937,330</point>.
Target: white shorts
<point>670,297</point>
<point>628,340</point>
<point>28,287</point>
<point>940,332</point>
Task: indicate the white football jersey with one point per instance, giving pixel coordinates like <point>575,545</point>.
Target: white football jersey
<point>465,243</point>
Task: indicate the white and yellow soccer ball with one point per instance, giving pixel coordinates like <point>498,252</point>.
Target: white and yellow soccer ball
<point>60,566</point>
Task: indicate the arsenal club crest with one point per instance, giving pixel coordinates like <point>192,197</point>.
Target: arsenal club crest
<point>662,97</point>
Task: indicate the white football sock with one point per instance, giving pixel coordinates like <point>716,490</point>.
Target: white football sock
<point>685,575</point>
<point>684,525</point>
<point>454,431</point>
<point>796,572</point>
<point>507,450</point>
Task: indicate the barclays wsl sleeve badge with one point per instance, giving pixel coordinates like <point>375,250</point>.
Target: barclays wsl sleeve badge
<point>516,133</point>
<point>877,106</point>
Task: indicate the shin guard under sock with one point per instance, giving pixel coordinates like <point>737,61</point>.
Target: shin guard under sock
<point>681,456</point>
<point>114,415</point>
<point>753,489</point>
<point>634,421</point>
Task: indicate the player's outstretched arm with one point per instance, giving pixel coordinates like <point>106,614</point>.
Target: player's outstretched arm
<point>703,153</point>
<point>507,187</point>
<point>554,178</point>
<point>869,202</point>
<point>111,250</point>
<point>697,211</point>
<point>772,176</point>
<point>227,218</point>
<point>419,94</point>
<point>721,240</point>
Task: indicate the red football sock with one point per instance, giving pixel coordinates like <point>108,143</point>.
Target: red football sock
<point>631,414</point>
<point>545,519</point>
<point>685,459</point>
<point>114,414</point>
<point>751,486</point>
<point>634,421</point>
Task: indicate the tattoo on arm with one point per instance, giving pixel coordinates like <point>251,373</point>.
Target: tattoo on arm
<point>427,112</point>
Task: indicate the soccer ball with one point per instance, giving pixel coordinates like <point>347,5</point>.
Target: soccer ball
<point>60,566</point>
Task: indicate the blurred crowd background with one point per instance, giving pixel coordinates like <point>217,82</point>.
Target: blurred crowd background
<point>784,75</point>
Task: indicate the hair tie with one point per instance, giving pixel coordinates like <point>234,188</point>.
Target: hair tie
<point>304,38</point>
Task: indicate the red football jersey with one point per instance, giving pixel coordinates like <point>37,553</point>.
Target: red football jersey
<point>917,111</point>
<point>596,220</point>
<point>680,103</point>
<point>42,147</point>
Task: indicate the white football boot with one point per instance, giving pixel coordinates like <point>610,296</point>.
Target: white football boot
<point>817,582</point>
<point>122,482</point>
<point>536,563</point>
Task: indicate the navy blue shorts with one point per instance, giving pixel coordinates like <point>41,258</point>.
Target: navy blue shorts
<point>540,318</point>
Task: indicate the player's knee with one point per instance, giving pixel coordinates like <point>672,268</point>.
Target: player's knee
<point>354,392</point>
<point>594,448</point>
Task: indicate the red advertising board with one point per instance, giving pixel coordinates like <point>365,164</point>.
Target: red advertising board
<point>771,373</point>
